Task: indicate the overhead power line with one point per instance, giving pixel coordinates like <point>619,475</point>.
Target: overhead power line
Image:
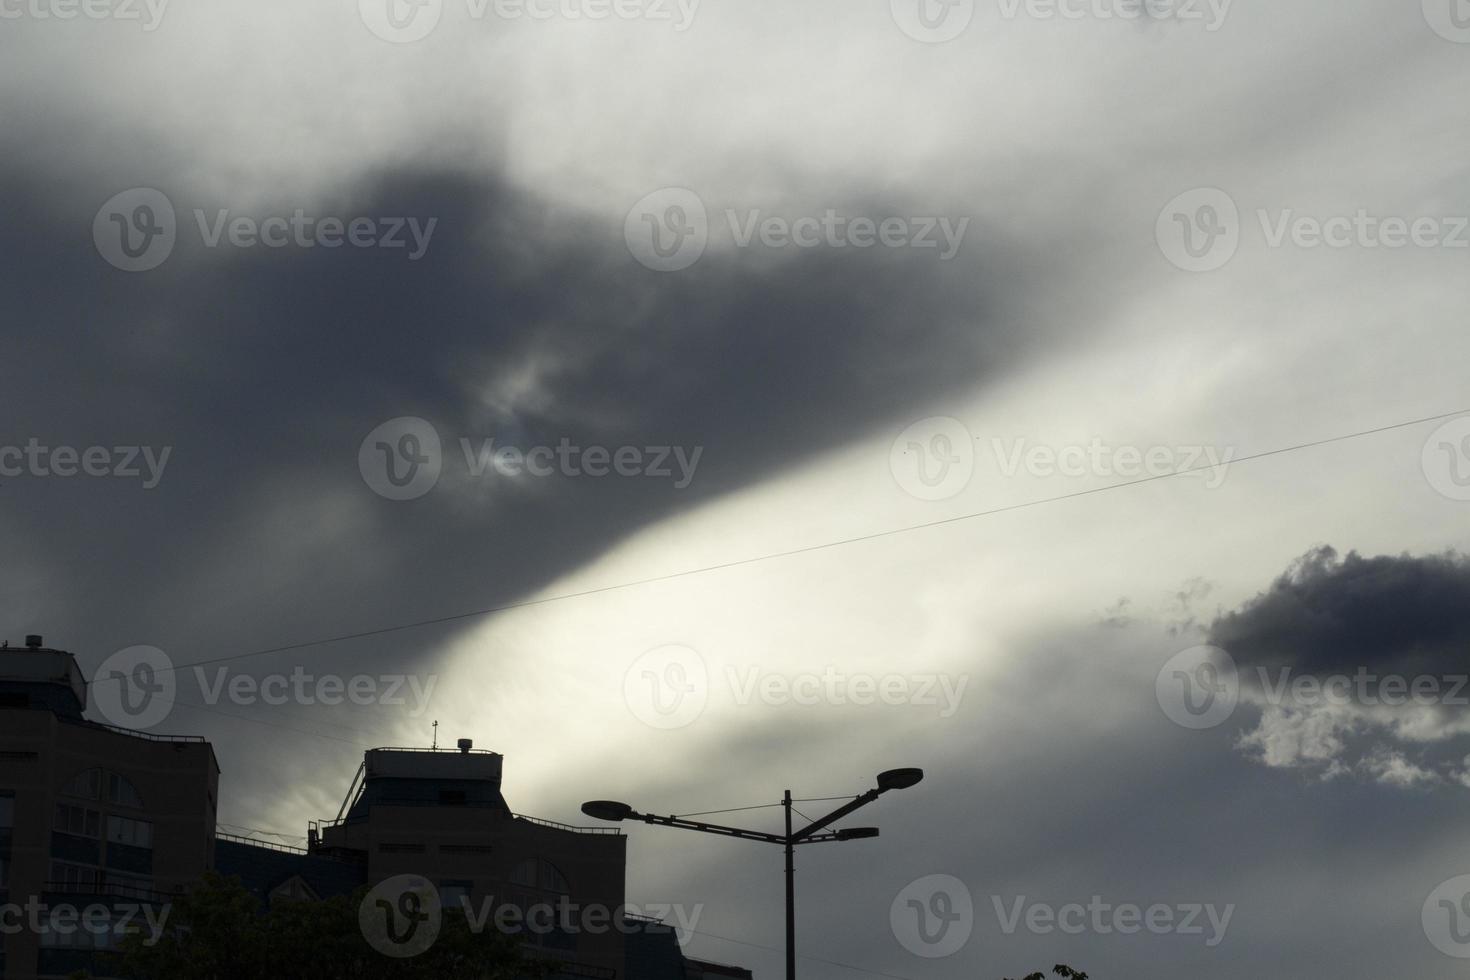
<point>792,552</point>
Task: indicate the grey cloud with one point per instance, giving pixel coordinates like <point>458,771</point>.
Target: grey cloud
<point>1327,613</point>
<point>1358,666</point>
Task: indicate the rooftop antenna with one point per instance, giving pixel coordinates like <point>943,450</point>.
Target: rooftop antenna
<point>436,736</point>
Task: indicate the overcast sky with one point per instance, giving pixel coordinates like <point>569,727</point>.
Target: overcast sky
<point>889,327</point>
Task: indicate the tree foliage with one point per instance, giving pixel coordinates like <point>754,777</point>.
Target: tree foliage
<point>1065,972</point>
<point>217,931</point>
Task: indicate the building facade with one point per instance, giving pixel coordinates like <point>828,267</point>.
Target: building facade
<point>111,823</point>
<point>440,815</point>
<point>91,817</point>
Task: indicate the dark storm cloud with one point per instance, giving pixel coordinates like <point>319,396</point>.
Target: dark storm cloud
<point>264,369</point>
<point>1327,614</point>
<point>1358,668</point>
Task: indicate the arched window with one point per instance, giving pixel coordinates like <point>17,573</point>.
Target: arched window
<point>85,785</point>
<point>92,784</point>
<point>122,792</point>
<point>540,875</point>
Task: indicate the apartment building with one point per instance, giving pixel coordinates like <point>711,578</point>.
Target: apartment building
<point>103,818</point>
<point>91,817</point>
<point>441,815</point>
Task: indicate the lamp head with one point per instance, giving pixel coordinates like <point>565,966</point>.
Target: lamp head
<point>899,779</point>
<point>607,810</point>
<point>857,833</point>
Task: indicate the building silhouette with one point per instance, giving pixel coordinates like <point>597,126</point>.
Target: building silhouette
<point>89,814</point>
<point>99,816</point>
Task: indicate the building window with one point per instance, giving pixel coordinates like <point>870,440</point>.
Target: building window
<point>89,784</point>
<point>455,894</point>
<point>537,890</point>
<point>539,874</point>
<point>122,793</point>
<point>73,877</point>
<point>85,785</point>
<point>82,935</point>
<point>133,886</point>
<point>126,830</point>
<point>78,820</point>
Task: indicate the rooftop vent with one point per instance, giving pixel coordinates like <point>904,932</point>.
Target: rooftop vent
<point>465,744</point>
<point>33,641</point>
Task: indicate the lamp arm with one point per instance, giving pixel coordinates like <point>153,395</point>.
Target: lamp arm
<point>708,828</point>
<point>835,815</point>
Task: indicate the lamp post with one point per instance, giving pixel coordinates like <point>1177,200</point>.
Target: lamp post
<point>890,780</point>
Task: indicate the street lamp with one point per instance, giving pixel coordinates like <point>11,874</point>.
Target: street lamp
<point>615,812</point>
